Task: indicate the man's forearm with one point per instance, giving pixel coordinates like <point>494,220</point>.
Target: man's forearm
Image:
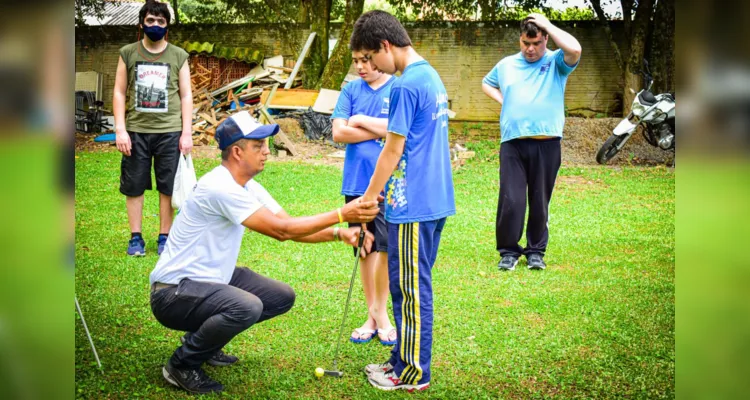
<point>118,109</point>
<point>187,114</point>
<point>565,41</point>
<point>326,235</point>
<point>493,93</point>
<point>301,227</point>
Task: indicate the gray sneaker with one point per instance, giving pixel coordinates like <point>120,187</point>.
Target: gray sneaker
<point>535,261</point>
<point>384,367</point>
<point>507,263</point>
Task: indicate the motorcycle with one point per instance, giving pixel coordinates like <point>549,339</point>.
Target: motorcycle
<point>655,112</point>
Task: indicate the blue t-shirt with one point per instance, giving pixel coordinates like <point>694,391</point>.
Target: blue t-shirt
<point>421,188</point>
<point>533,94</point>
<point>356,98</point>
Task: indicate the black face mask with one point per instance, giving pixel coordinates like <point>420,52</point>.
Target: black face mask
<point>155,32</point>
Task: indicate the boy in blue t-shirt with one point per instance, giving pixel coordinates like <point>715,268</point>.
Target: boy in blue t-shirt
<point>415,164</point>
<point>360,120</point>
<point>530,85</point>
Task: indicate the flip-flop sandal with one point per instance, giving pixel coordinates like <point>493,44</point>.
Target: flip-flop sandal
<point>361,332</point>
<point>388,335</point>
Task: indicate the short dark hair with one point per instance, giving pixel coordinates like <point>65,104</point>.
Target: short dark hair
<point>154,8</point>
<point>373,27</point>
<point>530,28</point>
<point>242,143</point>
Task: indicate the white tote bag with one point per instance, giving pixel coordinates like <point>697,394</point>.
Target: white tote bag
<point>184,181</point>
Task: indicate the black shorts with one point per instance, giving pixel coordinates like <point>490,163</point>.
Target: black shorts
<point>135,170</point>
<point>378,227</point>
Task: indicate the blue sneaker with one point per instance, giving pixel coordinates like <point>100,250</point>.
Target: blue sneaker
<point>161,242</point>
<point>137,247</point>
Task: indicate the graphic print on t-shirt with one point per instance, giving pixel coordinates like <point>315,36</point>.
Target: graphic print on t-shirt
<point>151,81</point>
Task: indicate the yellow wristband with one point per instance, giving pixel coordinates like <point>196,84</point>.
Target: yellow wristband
<point>341,217</point>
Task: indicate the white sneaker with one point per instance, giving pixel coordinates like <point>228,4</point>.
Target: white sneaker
<point>384,367</point>
<point>389,381</point>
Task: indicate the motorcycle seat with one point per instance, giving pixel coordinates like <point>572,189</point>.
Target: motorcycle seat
<point>647,98</point>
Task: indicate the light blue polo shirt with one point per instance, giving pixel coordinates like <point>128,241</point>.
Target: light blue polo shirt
<point>533,94</point>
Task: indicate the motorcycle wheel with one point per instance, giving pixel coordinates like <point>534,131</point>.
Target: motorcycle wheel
<point>609,149</point>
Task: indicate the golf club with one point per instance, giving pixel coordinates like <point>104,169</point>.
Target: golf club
<point>335,371</point>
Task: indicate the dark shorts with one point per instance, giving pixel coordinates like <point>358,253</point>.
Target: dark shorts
<point>378,227</point>
<point>135,170</point>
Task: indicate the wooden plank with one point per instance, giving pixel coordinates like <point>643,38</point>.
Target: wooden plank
<point>285,69</point>
<point>300,59</point>
<point>281,140</point>
<point>293,108</point>
<point>326,101</point>
<point>293,97</point>
<point>239,83</point>
<point>208,118</point>
<point>270,96</point>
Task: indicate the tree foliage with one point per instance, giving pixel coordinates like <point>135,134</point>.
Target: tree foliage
<point>252,11</point>
<point>87,7</point>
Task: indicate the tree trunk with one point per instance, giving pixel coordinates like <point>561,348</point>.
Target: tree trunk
<point>597,6</point>
<point>305,10</point>
<point>637,31</point>
<point>661,54</point>
<point>489,9</point>
<point>633,78</point>
<point>341,59</point>
<point>318,56</point>
<point>176,8</point>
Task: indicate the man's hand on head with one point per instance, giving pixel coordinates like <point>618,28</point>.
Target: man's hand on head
<point>540,20</point>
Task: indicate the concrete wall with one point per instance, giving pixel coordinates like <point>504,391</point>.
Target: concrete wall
<point>462,52</point>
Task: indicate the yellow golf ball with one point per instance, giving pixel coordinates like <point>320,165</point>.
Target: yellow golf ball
<point>319,372</point>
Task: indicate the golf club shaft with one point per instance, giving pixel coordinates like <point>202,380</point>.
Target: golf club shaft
<point>349,296</point>
<point>88,334</point>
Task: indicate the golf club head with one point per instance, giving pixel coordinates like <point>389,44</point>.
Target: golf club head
<point>337,374</point>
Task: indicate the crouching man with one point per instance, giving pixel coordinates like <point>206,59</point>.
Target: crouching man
<point>196,286</point>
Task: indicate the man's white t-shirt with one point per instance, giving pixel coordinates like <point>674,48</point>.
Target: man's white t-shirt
<point>204,242</point>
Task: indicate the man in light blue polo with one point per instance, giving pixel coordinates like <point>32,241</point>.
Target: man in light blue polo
<point>530,85</point>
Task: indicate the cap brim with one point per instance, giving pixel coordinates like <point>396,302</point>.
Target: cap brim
<point>263,132</point>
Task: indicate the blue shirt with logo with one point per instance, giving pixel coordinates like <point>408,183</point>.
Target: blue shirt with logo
<point>357,98</point>
<point>421,188</point>
<point>533,94</point>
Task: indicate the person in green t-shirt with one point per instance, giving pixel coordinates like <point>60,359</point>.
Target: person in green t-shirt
<point>153,107</point>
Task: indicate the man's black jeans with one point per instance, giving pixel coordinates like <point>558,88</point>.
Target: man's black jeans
<point>214,313</point>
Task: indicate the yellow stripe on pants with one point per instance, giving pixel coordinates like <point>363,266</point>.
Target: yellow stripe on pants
<point>412,373</point>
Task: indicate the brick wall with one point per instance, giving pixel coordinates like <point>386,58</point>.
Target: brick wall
<point>462,53</point>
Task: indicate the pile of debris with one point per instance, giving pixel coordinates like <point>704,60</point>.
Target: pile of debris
<point>257,92</point>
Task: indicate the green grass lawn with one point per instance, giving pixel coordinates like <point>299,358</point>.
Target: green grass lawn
<point>598,323</point>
